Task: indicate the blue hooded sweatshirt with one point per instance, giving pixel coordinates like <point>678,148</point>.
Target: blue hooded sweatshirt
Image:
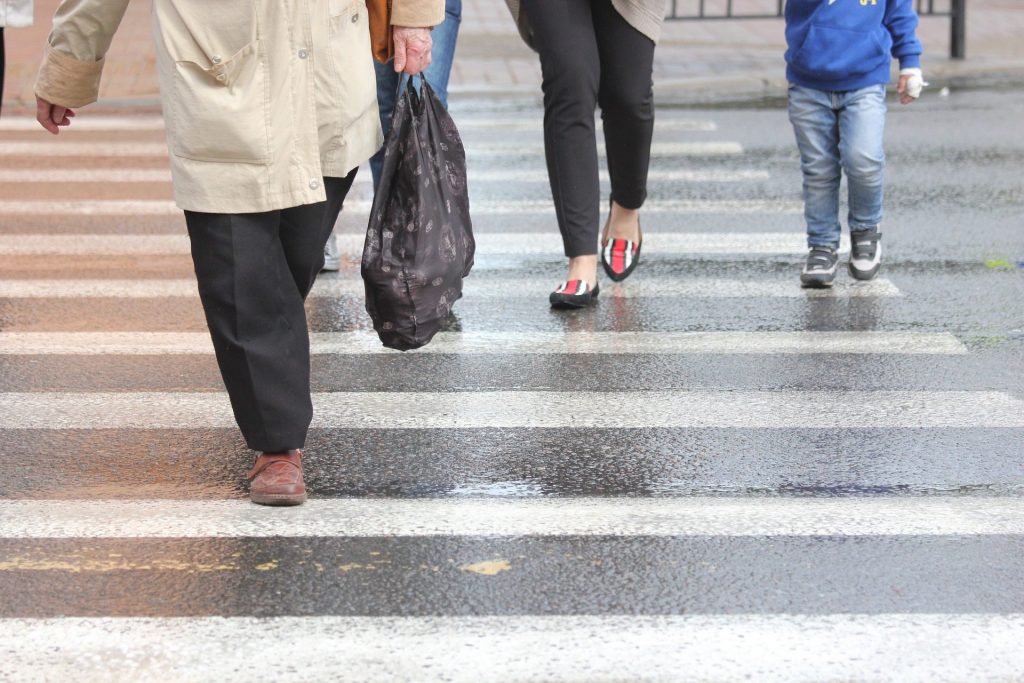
<point>845,45</point>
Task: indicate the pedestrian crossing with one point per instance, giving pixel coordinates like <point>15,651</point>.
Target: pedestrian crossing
<point>713,501</point>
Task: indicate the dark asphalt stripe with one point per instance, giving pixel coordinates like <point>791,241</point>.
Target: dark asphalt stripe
<point>986,370</point>
<point>447,576</point>
<point>209,464</point>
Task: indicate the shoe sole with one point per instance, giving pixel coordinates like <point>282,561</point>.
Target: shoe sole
<point>564,304</point>
<point>817,282</point>
<point>569,301</point>
<point>864,275</point>
<point>278,499</point>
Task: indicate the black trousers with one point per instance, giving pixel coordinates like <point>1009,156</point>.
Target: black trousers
<point>591,56</point>
<point>255,271</point>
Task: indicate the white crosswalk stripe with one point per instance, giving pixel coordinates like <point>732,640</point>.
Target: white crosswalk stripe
<point>525,243</point>
<point>538,409</point>
<point>470,123</point>
<point>500,343</point>
<point>478,287</point>
<point>691,516</point>
<point>363,180</point>
<point>910,648</point>
<point>85,175</point>
<point>15,148</point>
<point>157,207</point>
<point>117,124</point>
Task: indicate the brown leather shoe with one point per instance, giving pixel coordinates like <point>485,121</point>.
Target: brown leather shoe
<point>277,479</point>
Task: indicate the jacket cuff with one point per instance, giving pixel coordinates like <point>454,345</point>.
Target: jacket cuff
<point>417,13</point>
<point>910,62</point>
<point>66,81</point>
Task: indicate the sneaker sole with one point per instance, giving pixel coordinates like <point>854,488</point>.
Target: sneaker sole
<point>863,274</point>
<point>817,282</point>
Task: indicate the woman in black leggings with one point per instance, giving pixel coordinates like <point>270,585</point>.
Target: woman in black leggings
<point>595,52</point>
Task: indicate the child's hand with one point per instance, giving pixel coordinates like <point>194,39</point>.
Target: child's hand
<point>910,85</point>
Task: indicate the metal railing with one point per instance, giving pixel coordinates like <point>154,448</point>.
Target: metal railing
<point>691,10</point>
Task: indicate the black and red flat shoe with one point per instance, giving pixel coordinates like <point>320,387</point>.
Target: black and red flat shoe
<point>620,257</point>
<point>574,294</point>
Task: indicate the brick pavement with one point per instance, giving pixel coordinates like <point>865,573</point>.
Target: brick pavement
<point>695,61</point>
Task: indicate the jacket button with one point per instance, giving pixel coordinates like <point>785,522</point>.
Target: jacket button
<point>215,59</point>
<point>355,18</point>
<point>314,184</point>
<point>221,77</point>
<point>303,53</point>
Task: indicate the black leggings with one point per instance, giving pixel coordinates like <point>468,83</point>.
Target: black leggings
<point>255,271</point>
<point>591,56</point>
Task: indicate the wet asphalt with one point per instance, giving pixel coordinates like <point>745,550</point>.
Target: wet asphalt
<point>954,241</point>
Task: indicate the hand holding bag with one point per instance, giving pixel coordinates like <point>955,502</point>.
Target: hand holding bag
<point>419,242</point>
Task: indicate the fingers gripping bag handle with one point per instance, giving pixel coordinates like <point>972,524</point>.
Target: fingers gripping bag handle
<point>419,240</point>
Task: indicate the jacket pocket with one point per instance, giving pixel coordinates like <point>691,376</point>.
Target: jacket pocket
<point>221,107</point>
<point>837,53</point>
<point>351,61</point>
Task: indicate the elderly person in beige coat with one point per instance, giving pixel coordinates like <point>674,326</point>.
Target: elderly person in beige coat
<point>270,107</point>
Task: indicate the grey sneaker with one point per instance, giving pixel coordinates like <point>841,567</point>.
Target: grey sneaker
<point>865,254</point>
<point>820,267</point>
<point>332,260</point>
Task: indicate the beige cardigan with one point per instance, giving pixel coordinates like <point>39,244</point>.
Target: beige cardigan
<point>645,16</point>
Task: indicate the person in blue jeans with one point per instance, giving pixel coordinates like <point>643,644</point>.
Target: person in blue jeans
<point>443,55</point>
<point>838,63</point>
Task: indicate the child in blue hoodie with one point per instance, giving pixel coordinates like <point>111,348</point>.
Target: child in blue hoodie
<point>838,64</point>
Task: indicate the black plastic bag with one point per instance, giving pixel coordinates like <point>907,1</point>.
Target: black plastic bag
<point>419,243</point>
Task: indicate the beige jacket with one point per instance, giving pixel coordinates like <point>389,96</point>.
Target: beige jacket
<point>261,98</point>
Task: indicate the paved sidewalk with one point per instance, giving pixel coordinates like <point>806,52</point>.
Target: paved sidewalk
<point>697,61</point>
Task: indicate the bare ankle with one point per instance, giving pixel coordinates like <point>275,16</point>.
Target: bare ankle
<point>583,268</point>
<point>623,223</point>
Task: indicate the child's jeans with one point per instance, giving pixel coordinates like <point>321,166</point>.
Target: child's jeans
<point>839,131</point>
